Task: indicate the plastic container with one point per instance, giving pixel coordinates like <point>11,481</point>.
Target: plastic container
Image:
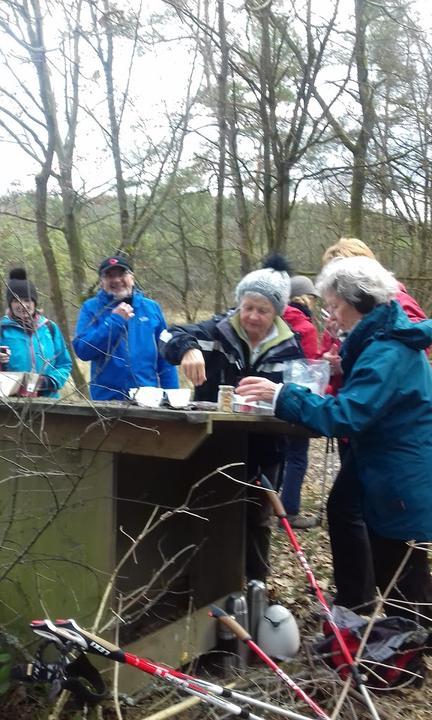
<point>313,374</point>
<point>29,386</point>
<point>278,633</point>
<point>254,408</point>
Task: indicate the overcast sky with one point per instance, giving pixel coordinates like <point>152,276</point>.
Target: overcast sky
<point>157,87</point>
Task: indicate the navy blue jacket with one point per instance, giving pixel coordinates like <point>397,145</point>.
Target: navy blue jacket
<point>385,409</point>
<point>123,353</point>
<point>226,357</point>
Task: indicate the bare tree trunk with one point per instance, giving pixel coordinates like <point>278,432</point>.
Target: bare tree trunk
<point>358,184</point>
<point>242,213</point>
<point>107,61</point>
<point>51,264</point>
<point>222,83</point>
<point>265,78</point>
<point>64,151</point>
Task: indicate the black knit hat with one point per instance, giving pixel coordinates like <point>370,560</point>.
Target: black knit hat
<point>115,261</point>
<point>18,287</point>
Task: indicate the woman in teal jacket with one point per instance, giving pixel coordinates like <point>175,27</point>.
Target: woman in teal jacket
<point>385,409</point>
<point>29,342</point>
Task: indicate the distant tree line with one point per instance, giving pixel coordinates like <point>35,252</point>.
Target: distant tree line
<point>296,125</point>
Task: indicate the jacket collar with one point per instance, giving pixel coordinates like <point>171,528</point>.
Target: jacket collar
<point>302,307</point>
<point>283,332</point>
<point>229,328</point>
<point>39,320</point>
<point>106,299</point>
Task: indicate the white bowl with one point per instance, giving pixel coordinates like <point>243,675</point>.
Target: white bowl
<point>10,383</point>
<point>179,398</point>
<point>147,396</point>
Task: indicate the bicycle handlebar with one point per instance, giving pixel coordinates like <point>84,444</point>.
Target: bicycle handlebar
<point>66,633</point>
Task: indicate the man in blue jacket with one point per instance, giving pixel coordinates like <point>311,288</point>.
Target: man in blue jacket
<point>118,331</point>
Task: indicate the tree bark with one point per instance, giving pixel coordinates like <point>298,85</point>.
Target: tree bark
<point>41,181</point>
<point>359,174</point>
<point>222,89</point>
<point>64,151</point>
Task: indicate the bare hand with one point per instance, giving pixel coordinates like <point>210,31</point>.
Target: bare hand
<point>4,356</point>
<point>332,327</point>
<point>256,388</point>
<point>124,310</point>
<point>193,366</point>
<point>334,359</point>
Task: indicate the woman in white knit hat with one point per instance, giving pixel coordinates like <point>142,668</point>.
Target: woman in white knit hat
<point>250,340</point>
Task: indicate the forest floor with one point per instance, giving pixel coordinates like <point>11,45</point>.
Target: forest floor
<point>287,585</point>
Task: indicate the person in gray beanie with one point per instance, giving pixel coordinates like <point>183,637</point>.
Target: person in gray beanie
<point>302,285</point>
<point>252,339</point>
<point>274,285</point>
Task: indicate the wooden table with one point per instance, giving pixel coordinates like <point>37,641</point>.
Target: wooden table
<point>80,482</point>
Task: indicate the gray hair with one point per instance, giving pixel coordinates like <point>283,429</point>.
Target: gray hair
<point>360,281</point>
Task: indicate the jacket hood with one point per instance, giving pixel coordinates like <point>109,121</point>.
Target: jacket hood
<point>385,322</point>
<point>397,326</point>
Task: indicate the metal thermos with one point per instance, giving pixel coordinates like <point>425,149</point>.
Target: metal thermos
<point>236,606</point>
<point>227,646</point>
<point>257,604</point>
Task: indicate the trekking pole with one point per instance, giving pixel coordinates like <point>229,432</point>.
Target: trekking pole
<point>280,513</point>
<point>68,635</point>
<point>226,692</point>
<point>243,635</point>
<point>329,449</point>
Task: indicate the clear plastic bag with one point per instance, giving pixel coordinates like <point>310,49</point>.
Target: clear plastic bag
<point>314,374</point>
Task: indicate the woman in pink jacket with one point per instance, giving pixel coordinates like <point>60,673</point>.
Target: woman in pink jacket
<point>298,315</point>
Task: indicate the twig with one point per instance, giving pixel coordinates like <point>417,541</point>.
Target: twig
<point>173,710</point>
<point>381,600</point>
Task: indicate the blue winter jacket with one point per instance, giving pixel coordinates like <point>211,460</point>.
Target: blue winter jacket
<point>385,409</point>
<point>43,351</point>
<point>123,353</point>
